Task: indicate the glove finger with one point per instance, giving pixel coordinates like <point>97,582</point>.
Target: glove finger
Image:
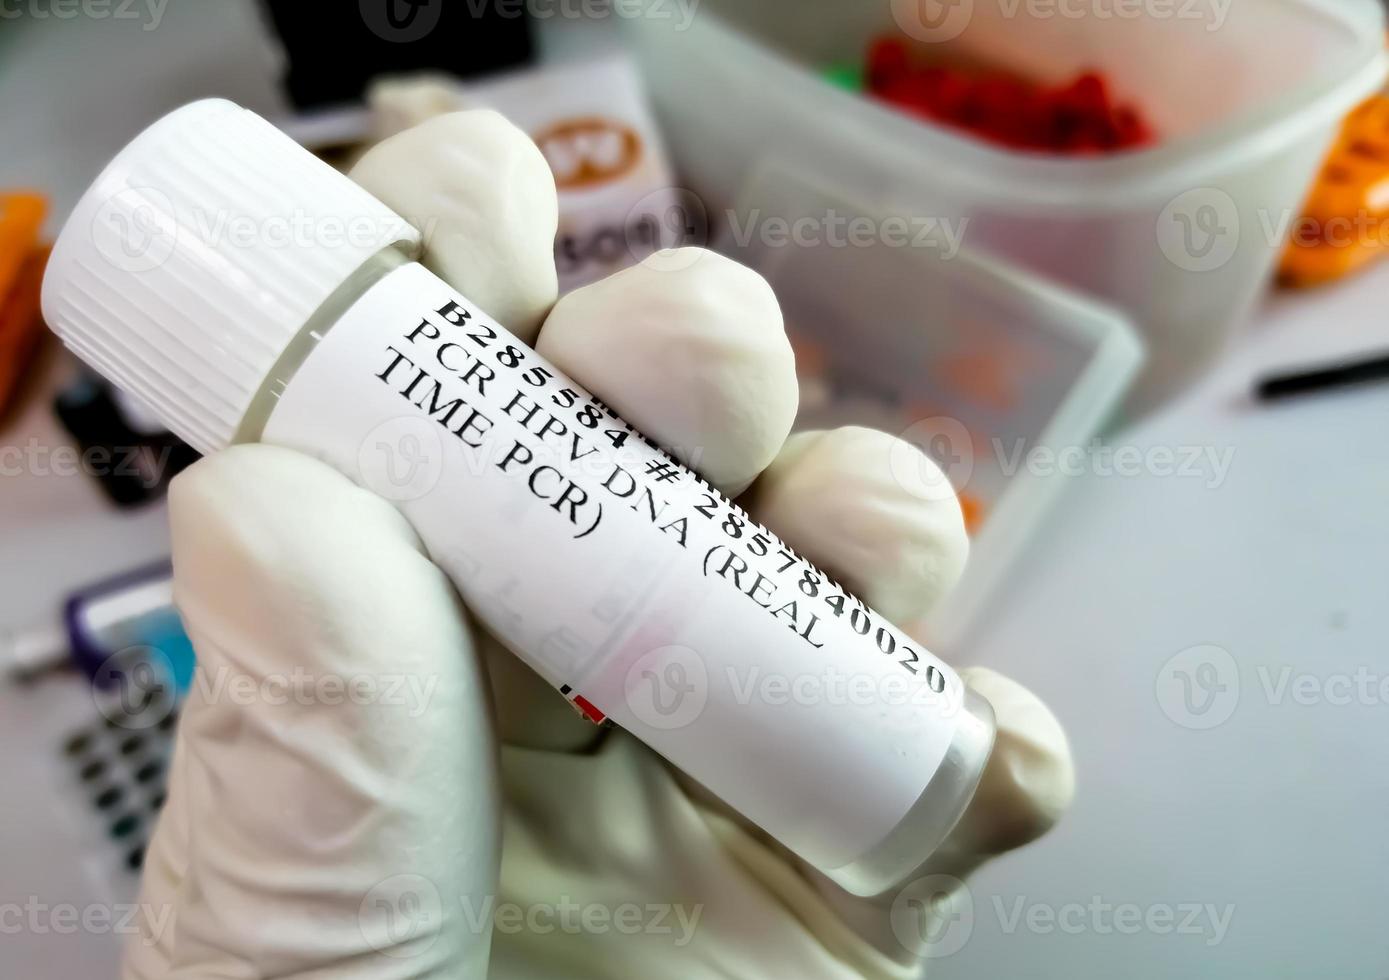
<point>688,347</point>
<point>880,516</point>
<point>150,952</point>
<point>1028,784</point>
<point>531,714</point>
<point>872,511</point>
<point>484,197</point>
<point>1029,781</point>
<point>335,797</point>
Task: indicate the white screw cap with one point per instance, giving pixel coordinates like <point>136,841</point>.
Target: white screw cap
<point>196,257</point>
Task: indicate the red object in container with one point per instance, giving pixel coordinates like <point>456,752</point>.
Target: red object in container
<point>1077,118</point>
<point>887,61</point>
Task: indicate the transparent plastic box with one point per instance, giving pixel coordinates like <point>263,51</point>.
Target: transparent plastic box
<point>1245,96</point>
<point>978,364</point>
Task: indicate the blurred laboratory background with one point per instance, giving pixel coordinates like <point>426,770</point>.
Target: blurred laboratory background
<point>1114,264</point>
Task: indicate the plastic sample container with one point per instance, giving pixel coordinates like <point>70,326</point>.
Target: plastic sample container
<point>998,375</point>
<point>1245,97</point>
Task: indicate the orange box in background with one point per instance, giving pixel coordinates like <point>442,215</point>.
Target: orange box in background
<point>21,217</point>
<point>1343,226</point>
<point>22,261</point>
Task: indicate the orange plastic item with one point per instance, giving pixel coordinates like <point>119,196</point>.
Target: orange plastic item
<point>973,509</point>
<point>22,262</point>
<point>21,217</point>
<point>1345,221</point>
<point>20,322</point>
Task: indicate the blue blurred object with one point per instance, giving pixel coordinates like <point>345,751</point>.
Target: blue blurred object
<point>128,623</point>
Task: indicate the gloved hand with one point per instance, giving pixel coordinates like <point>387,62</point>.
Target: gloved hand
<point>365,785</point>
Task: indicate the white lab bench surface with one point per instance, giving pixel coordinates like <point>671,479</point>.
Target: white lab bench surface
<point>1255,847</point>
<point>1273,819</point>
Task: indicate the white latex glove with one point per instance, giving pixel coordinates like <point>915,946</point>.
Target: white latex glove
<point>339,803</point>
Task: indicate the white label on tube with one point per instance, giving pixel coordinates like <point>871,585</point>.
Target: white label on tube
<point>620,575</point>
